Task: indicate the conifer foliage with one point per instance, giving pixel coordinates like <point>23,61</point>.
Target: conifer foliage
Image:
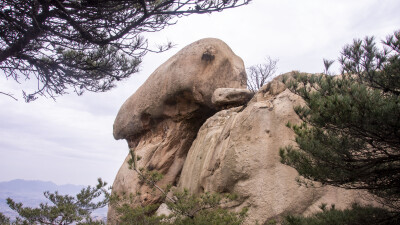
<point>85,44</point>
<point>350,136</point>
<point>64,209</point>
<point>185,208</point>
<point>356,215</point>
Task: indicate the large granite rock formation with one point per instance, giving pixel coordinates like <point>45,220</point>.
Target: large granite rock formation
<point>237,151</point>
<point>183,84</point>
<point>172,123</point>
<point>162,118</point>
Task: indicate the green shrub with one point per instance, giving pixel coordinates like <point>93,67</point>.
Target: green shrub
<point>187,209</point>
<point>357,215</point>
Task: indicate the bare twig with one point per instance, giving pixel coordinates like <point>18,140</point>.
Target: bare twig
<point>260,74</point>
<point>9,95</point>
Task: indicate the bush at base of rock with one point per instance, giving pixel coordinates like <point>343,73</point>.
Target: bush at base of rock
<point>139,215</point>
<point>357,215</point>
<point>187,209</point>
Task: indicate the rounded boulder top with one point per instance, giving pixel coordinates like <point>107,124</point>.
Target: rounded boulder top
<point>181,86</point>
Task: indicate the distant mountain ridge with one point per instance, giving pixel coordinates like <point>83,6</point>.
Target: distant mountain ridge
<point>30,193</point>
<point>34,186</point>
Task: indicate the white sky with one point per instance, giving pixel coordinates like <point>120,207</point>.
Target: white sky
<point>70,140</point>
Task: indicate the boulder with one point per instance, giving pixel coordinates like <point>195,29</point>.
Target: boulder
<point>162,118</point>
<point>229,97</point>
<point>237,151</point>
<point>180,86</point>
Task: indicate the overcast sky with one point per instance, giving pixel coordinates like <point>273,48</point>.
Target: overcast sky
<point>70,140</point>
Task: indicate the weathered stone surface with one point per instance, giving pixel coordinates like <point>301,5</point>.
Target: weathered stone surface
<point>225,97</point>
<point>163,210</point>
<point>169,123</point>
<point>161,120</point>
<point>180,86</point>
<point>237,150</point>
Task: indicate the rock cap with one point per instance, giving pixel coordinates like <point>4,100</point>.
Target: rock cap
<point>231,97</point>
<point>181,86</point>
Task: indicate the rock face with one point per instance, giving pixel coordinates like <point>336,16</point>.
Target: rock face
<point>161,120</point>
<point>182,85</point>
<point>172,123</point>
<point>228,97</point>
<point>237,151</point>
